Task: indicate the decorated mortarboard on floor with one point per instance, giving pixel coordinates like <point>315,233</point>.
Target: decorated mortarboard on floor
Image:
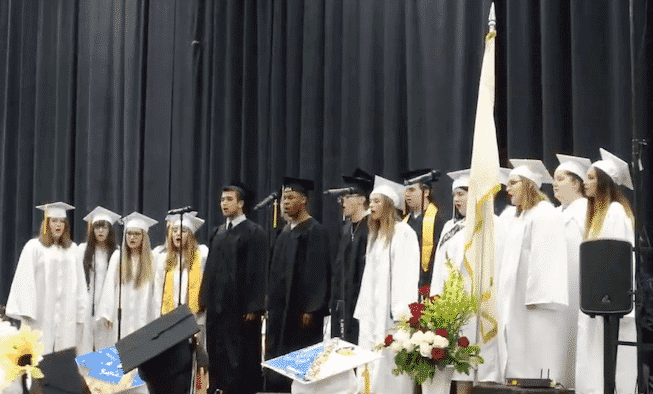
<point>460,178</point>
<point>409,176</point>
<point>326,367</point>
<point>531,169</point>
<point>574,164</point>
<point>297,184</point>
<point>188,220</point>
<point>55,209</point>
<point>138,220</point>
<point>101,213</point>
<point>616,168</point>
<point>393,190</point>
<point>102,371</point>
<point>360,180</point>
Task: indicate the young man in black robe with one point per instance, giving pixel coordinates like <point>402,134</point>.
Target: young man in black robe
<point>349,264</point>
<point>299,280</point>
<point>233,295</point>
<point>424,218</point>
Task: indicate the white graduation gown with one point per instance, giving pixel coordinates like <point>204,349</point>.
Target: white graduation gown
<point>388,285</point>
<point>532,295</point>
<point>139,305</point>
<point>574,219</point>
<point>452,244</point>
<point>49,289</point>
<point>96,335</point>
<point>589,352</point>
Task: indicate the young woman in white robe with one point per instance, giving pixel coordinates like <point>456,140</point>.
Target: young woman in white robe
<point>136,288</point>
<point>94,257</point>
<point>532,280</point>
<point>452,246</point>
<point>388,284</point>
<point>568,189</point>
<point>608,217</point>
<point>48,291</point>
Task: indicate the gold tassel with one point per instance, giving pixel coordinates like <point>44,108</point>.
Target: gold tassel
<point>366,375</point>
<point>274,219</point>
<point>44,225</point>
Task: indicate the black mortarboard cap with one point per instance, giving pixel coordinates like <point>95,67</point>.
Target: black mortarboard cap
<point>361,180</point>
<point>300,185</point>
<point>61,374</point>
<point>408,175</point>
<point>246,194</point>
<point>156,337</point>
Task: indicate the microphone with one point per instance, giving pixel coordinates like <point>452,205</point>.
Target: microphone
<point>267,200</point>
<point>339,190</point>
<point>428,177</point>
<point>180,210</point>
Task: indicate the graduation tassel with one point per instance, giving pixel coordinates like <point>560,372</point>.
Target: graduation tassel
<point>44,224</point>
<point>274,215</point>
<point>366,375</point>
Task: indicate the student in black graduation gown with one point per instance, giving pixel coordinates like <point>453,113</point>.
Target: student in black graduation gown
<point>423,217</point>
<point>350,261</point>
<point>299,279</point>
<point>233,295</point>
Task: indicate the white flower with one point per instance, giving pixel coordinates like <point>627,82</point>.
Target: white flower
<point>408,345</point>
<point>396,346</point>
<point>440,342</point>
<point>417,338</point>
<point>429,336</point>
<point>401,336</point>
<point>425,349</point>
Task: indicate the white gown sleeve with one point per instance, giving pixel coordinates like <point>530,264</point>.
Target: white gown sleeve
<point>405,264</point>
<point>108,303</point>
<point>22,301</point>
<point>82,289</point>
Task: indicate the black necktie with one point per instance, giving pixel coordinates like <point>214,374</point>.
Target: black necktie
<point>230,226</point>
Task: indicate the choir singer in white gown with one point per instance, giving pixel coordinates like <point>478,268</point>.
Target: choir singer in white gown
<point>139,304</point>
<point>608,217</point>
<point>48,292</point>
<point>94,256</point>
<point>532,277</point>
<point>568,189</point>
<point>389,282</point>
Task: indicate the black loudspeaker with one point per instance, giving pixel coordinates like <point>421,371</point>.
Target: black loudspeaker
<point>606,277</point>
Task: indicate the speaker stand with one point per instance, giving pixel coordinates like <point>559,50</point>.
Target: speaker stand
<point>610,340</point>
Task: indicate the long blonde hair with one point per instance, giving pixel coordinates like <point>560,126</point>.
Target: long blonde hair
<point>145,267</point>
<point>597,207</point>
<point>532,195</point>
<point>385,226</point>
<point>188,250</point>
<point>47,239</point>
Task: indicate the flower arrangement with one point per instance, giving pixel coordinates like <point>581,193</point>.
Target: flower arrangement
<point>431,337</point>
<point>20,352</point>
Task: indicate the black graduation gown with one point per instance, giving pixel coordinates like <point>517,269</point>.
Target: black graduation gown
<point>232,286</point>
<point>346,278</point>
<point>299,282</point>
<point>416,224</point>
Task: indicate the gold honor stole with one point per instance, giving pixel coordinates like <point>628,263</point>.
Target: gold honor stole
<point>194,282</point>
<point>427,234</point>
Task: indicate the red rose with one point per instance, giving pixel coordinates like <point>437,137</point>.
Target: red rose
<point>438,354</point>
<point>414,322</point>
<point>442,332</point>
<point>463,342</point>
<point>416,309</point>
<point>388,340</point>
<point>425,290</point>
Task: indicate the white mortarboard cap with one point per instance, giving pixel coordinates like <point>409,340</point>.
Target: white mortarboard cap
<point>101,213</point>
<point>460,178</point>
<point>531,169</point>
<point>55,209</point>
<point>616,168</point>
<point>504,174</point>
<point>574,164</point>
<point>191,221</point>
<point>138,220</point>
<point>392,190</point>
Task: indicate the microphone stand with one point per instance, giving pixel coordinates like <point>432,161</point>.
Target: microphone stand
<point>272,238</point>
<point>181,248</point>
<point>124,237</point>
<point>93,301</point>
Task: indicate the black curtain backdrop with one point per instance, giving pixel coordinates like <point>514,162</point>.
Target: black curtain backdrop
<point>155,104</point>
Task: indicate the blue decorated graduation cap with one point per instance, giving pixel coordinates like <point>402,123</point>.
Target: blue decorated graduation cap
<point>101,213</point>
<point>297,184</point>
<point>360,180</point>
